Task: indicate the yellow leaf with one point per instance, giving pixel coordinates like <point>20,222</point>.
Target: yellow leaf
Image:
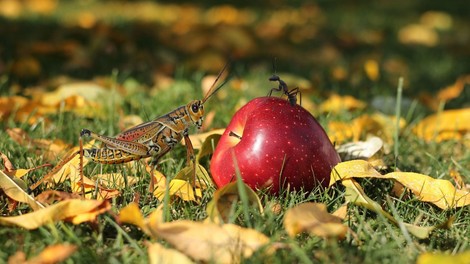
<point>437,191</point>
<point>352,169</point>
<point>336,103</point>
<point>13,190</point>
<point>131,215</point>
<point>202,176</point>
<point>440,257</point>
<point>158,254</point>
<point>378,125</point>
<point>54,254</point>
<point>355,194</point>
<point>418,34</point>
<point>453,91</point>
<point>198,139</point>
<point>208,146</point>
<point>449,124</point>
<point>65,210</point>
<point>371,67</point>
<point>219,208</point>
<point>342,211</point>
<point>206,242</point>
<point>313,218</point>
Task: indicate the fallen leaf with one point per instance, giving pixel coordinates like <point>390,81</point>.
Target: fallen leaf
<point>355,194</point>
<point>336,104</point>
<point>342,211</point>
<point>206,242</point>
<point>12,188</point>
<point>453,91</point>
<point>54,254</point>
<point>313,218</point>
<point>158,254</point>
<point>441,257</point>
<point>445,125</point>
<point>48,149</point>
<point>457,177</point>
<point>198,139</point>
<point>371,67</point>
<point>50,196</point>
<point>360,149</point>
<point>180,188</point>
<point>131,215</point>
<point>427,189</point>
<point>437,191</point>
<point>93,190</point>
<point>208,146</point>
<point>219,208</point>
<point>378,125</point>
<point>76,211</point>
<point>418,34</point>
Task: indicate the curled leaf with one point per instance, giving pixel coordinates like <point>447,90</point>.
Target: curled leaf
<point>427,189</point>
<point>355,194</point>
<point>219,208</point>
<point>76,211</point>
<point>15,189</point>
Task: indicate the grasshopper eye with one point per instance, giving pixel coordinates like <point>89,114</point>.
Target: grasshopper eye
<point>194,108</point>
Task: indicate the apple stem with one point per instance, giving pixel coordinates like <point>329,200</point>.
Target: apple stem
<point>233,134</point>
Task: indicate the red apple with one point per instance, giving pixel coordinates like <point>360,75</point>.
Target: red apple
<point>274,143</point>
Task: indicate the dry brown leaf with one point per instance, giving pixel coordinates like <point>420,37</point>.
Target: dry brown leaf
<point>48,149</point>
<point>313,218</point>
<point>51,196</point>
<point>158,254</point>
<point>205,241</point>
<point>446,125</point>
<point>54,254</point>
<point>93,190</point>
<point>76,211</point>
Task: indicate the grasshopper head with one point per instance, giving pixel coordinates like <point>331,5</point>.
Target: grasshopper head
<point>196,112</point>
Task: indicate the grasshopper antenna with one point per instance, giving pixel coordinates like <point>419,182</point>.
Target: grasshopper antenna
<point>212,90</point>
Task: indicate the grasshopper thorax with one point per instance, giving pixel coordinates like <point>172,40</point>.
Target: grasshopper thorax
<point>195,109</point>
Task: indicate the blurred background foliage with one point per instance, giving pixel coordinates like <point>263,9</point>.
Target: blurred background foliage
<point>354,47</point>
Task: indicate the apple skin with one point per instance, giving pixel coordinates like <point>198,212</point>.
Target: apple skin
<point>275,136</point>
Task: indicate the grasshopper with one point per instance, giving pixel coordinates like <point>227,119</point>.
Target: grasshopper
<point>151,139</point>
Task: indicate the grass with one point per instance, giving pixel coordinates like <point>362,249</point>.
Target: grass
<point>344,35</point>
<point>379,240</point>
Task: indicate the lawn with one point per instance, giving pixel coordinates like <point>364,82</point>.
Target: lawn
<point>397,71</point>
